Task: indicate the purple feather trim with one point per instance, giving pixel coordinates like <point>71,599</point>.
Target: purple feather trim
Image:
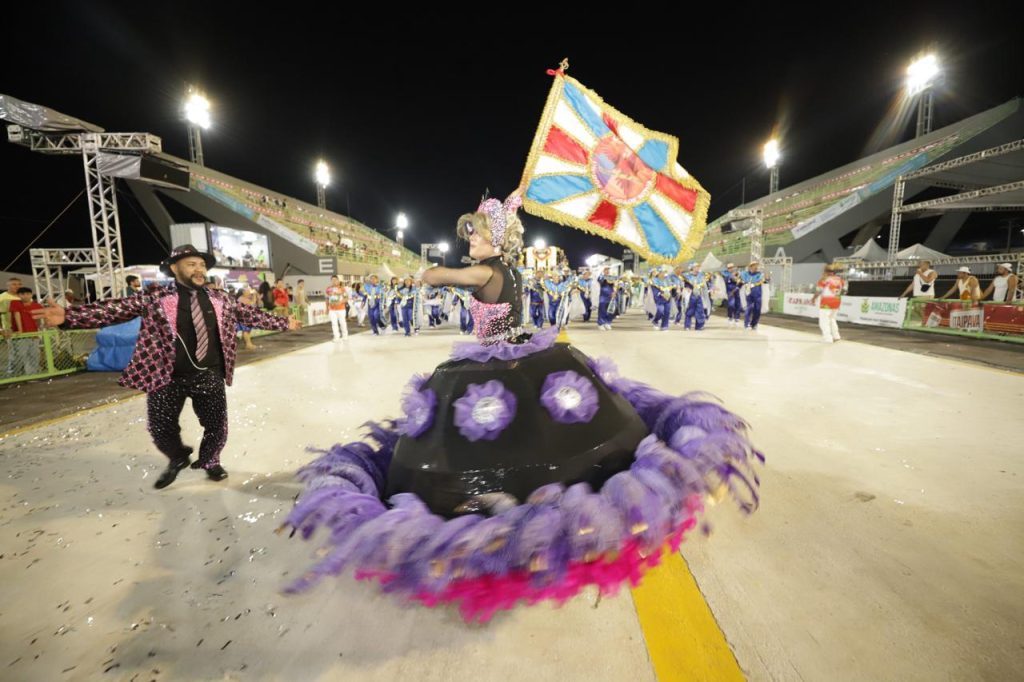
<point>696,450</point>
<point>542,340</point>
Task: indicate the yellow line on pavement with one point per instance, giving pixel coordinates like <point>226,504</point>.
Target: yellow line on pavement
<point>683,639</point>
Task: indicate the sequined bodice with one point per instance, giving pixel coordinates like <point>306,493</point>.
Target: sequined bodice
<point>503,319</point>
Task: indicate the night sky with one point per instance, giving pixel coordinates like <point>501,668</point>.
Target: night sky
<point>421,112</point>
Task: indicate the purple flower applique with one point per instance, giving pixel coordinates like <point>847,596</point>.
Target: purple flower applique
<point>569,397</point>
<point>419,405</point>
<point>484,411</point>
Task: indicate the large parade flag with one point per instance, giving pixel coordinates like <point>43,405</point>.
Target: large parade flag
<point>593,168</point>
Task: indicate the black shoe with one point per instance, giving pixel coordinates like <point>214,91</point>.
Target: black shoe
<point>217,473</point>
<point>170,473</point>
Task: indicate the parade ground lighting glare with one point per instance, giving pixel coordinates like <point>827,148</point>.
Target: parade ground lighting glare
<point>323,174</point>
<point>539,243</point>
<point>593,260</point>
<point>401,222</point>
<point>197,110</point>
<point>921,73</point>
<point>771,153</point>
<point>443,246</point>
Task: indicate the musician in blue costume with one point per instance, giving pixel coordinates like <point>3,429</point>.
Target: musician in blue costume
<point>733,288</point>
<point>535,289</point>
<point>555,290</point>
<point>392,303</point>
<point>699,303</point>
<point>607,284</point>
<point>661,288</point>
<point>407,298</point>
<point>753,281</point>
<point>585,284</point>
<point>677,293</point>
<point>374,292</point>
<point>622,295</point>
<point>433,299</point>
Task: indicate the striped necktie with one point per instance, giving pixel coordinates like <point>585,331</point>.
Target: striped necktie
<point>202,336</point>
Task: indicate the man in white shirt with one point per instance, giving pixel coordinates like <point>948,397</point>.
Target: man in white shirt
<point>923,285</point>
<point>1004,287</point>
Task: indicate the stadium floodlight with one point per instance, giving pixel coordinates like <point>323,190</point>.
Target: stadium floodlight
<point>443,246</point>
<point>197,110</point>
<point>323,174</point>
<point>594,260</point>
<point>323,178</point>
<point>771,153</point>
<point>771,160</point>
<point>539,244</point>
<point>401,224</point>
<point>921,74</point>
<point>197,114</point>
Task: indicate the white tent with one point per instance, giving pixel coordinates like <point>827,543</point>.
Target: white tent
<point>871,251</point>
<point>599,261</point>
<point>710,263</point>
<point>920,251</point>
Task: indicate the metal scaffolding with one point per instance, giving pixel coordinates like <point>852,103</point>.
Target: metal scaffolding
<point>107,253</point>
<point>971,197</point>
<point>48,268</point>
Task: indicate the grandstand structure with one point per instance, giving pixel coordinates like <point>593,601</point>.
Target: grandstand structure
<point>302,237</point>
<point>808,221</point>
<point>305,239</point>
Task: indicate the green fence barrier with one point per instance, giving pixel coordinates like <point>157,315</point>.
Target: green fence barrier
<point>41,355</point>
<point>985,320</point>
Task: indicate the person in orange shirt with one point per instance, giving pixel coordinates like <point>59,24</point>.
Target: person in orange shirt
<point>281,299</point>
<point>336,304</point>
<point>830,290</point>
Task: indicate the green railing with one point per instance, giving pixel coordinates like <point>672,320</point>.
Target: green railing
<point>41,355</point>
<point>983,320</point>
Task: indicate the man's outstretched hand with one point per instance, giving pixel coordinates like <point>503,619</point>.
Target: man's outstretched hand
<point>51,315</point>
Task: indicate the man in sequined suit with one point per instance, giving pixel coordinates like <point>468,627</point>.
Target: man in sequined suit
<point>185,350</point>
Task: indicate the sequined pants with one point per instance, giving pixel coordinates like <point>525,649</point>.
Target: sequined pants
<point>163,410</point>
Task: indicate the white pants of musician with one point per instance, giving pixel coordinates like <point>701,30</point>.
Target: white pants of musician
<point>827,323</point>
<point>338,317</point>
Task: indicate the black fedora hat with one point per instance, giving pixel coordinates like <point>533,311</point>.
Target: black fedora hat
<point>184,251</point>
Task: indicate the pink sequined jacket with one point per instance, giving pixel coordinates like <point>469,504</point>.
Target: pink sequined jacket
<point>152,363</point>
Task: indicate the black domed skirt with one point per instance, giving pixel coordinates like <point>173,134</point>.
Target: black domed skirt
<point>446,469</point>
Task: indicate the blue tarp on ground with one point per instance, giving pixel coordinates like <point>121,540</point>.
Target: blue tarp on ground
<point>114,347</point>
